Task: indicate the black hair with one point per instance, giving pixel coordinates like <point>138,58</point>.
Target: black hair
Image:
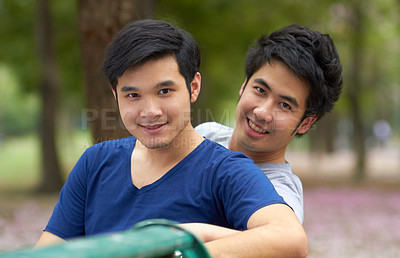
<point>144,40</point>
<point>310,55</point>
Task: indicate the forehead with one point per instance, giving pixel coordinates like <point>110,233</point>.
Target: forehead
<point>152,72</point>
<point>167,62</point>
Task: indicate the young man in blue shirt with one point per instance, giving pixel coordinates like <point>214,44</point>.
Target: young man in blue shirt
<point>167,170</point>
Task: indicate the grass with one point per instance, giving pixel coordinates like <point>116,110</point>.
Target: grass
<point>20,166</point>
<point>19,162</point>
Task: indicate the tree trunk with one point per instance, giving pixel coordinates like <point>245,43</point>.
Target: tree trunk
<point>51,180</point>
<point>323,135</point>
<point>354,89</point>
<point>99,21</point>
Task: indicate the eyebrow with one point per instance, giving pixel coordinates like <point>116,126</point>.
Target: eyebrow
<point>129,88</point>
<point>165,83</point>
<point>290,99</point>
<point>158,85</point>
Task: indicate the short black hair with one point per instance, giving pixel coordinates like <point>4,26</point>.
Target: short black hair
<point>144,40</point>
<point>310,55</point>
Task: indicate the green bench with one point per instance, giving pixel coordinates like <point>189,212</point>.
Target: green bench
<point>151,238</point>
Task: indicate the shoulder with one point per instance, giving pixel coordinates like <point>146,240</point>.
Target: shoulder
<point>215,132</point>
<point>228,162</point>
<point>216,149</point>
<point>281,172</point>
<point>111,147</point>
<point>287,184</point>
<point>210,128</point>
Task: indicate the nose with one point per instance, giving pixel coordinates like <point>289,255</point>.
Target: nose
<point>264,112</point>
<point>150,109</point>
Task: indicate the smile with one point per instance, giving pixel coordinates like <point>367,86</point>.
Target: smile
<point>256,128</point>
<point>153,128</point>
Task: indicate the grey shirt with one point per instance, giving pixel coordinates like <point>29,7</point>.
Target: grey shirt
<point>287,184</point>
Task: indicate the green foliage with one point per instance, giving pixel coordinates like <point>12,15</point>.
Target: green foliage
<point>66,32</point>
<point>224,29</point>
<point>19,61</point>
<point>18,46</point>
<point>381,52</point>
<point>18,112</point>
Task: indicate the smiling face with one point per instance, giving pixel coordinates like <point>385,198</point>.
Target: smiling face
<point>154,102</point>
<point>269,112</point>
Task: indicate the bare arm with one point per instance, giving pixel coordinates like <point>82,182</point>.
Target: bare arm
<point>48,238</point>
<point>273,231</point>
<point>208,232</point>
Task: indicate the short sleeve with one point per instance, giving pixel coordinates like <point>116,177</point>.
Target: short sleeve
<point>244,189</point>
<point>67,220</point>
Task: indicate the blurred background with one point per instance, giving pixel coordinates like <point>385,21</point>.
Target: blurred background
<point>54,103</point>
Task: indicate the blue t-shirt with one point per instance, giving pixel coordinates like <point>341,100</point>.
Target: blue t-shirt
<point>211,185</point>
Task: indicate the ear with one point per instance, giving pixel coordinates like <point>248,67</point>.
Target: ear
<point>114,93</point>
<point>242,88</point>
<point>195,86</point>
<point>306,124</point>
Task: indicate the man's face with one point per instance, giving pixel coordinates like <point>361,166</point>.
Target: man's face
<point>270,109</point>
<point>154,102</point>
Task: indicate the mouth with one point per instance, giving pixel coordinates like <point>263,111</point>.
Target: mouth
<point>255,128</point>
<point>153,128</point>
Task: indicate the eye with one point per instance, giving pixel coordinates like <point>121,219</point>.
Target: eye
<point>164,91</point>
<point>259,89</point>
<point>133,95</point>
<point>285,105</point>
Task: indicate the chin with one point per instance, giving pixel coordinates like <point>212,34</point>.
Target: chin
<point>155,143</point>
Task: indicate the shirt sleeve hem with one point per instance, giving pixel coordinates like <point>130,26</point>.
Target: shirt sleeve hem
<point>262,206</point>
<point>57,232</point>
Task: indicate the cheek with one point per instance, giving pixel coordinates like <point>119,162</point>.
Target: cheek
<point>239,112</point>
<point>127,115</point>
<point>244,105</point>
<point>179,109</point>
<point>286,121</point>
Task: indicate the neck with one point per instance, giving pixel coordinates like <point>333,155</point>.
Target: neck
<point>179,148</point>
<point>266,157</point>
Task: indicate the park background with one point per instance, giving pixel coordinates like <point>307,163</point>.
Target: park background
<point>54,103</point>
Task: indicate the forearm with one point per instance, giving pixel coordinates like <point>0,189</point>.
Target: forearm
<point>207,232</point>
<point>265,241</point>
<point>273,231</point>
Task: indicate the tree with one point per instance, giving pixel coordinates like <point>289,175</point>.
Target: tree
<point>99,21</point>
<point>51,179</point>
<point>355,85</point>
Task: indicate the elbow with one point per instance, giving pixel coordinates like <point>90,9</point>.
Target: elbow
<point>303,252</point>
<point>302,246</point>
<point>296,244</point>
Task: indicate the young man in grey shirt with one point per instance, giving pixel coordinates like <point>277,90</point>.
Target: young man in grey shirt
<point>293,76</point>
